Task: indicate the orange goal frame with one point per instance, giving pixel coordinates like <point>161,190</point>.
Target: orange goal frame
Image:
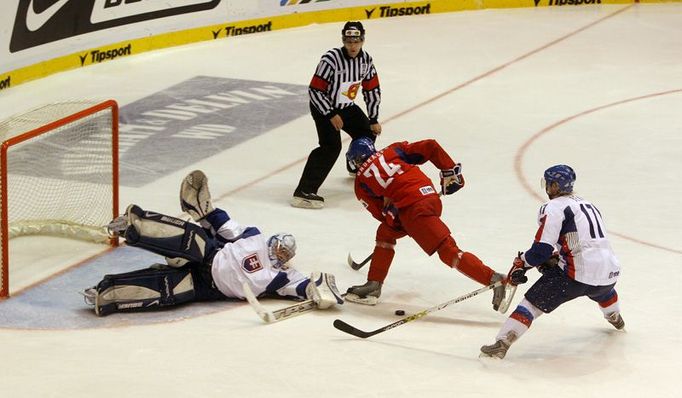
<point>4,223</point>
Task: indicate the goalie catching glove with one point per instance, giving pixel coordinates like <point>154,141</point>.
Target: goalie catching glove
<point>195,199</point>
<point>451,180</point>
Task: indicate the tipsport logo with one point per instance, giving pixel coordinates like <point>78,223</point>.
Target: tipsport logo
<point>39,22</point>
<point>283,3</point>
<point>388,11</point>
<point>5,83</point>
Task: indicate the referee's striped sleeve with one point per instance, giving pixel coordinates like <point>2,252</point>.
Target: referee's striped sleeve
<point>319,87</point>
<point>371,92</point>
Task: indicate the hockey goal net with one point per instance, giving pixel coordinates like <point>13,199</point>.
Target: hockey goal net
<point>58,174</point>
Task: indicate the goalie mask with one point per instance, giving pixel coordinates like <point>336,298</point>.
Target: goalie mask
<point>281,249</point>
<point>358,151</point>
<point>563,175</point>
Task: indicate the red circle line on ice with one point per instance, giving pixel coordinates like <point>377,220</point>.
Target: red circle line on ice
<point>518,159</point>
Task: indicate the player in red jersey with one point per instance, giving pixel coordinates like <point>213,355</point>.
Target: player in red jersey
<point>391,186</point>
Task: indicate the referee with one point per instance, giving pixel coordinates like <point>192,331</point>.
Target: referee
<point>340,75</point>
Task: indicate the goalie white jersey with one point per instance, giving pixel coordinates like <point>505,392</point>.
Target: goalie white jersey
<point>246,260</point>
<point>574,227</point>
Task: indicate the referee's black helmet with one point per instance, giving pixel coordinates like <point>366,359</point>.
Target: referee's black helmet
<point>353,30</point>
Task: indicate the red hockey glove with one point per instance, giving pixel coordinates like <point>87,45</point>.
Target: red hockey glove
<point>451,180</point>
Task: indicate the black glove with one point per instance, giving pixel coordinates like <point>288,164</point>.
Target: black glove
<point>451,180</point>
<point>517,275</point>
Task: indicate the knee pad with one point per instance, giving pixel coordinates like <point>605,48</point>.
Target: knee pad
<point>168,236</point>
<point>157,286</point>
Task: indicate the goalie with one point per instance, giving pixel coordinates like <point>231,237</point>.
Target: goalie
<point>209,261</point>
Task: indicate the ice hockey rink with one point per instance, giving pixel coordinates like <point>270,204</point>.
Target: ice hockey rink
<point>507,92</point>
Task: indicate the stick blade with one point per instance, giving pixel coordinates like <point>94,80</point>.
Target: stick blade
<point>509,296</point>
<point>357,266</point>
<point>350,261</point>
<point>344,327</point>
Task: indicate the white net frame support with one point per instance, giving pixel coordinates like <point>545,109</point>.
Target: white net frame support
<point>79,156</point>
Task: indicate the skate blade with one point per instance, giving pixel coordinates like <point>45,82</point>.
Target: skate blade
<point>369,300</point>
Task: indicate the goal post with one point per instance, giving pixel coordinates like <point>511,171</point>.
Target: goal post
<point>58,174</point>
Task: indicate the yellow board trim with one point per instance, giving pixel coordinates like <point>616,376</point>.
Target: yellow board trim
<point>137,46</point>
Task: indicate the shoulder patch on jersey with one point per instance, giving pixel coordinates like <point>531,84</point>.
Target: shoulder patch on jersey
<point>427,190</point>
<point>251,263</point>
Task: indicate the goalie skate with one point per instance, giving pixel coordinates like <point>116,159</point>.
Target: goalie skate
<point>118,226</point>
<point>89,295</point>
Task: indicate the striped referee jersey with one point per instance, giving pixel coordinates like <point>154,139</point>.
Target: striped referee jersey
<point>338,79</point>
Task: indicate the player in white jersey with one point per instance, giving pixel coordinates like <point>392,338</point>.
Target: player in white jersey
<point>209,261</point>
<point>572,232</point>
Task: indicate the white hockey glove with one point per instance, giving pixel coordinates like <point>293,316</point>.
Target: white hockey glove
<point>451,180</point>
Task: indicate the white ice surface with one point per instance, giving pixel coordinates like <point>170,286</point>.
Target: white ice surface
<point>508,93</point>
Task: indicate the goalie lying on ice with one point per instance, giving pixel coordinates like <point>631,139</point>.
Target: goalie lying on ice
<point>209,261</point>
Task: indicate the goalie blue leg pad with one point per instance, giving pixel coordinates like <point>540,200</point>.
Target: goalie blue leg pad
<point>149,288</point>
<point>169,236</point>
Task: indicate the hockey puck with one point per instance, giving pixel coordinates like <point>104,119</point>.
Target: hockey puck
<point>399,312</point>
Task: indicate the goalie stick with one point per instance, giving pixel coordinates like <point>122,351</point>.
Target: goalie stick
<point>344,327</point>
<point>283,313</point>
<point>357,266</point>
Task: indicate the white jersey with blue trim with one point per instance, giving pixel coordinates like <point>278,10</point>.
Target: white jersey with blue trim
<point>246,260</point>
<point>575,228</point>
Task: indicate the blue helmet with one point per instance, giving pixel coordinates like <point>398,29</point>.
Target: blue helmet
<point>358,151</point>
<point>562,175</point>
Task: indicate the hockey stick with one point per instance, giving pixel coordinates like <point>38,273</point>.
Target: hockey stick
<point>344,327</point>
<point>357,266</point>
<point>279,314</point>
<point>264,314</point>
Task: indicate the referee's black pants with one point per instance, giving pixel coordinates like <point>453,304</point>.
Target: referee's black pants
<point>322,159</point>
